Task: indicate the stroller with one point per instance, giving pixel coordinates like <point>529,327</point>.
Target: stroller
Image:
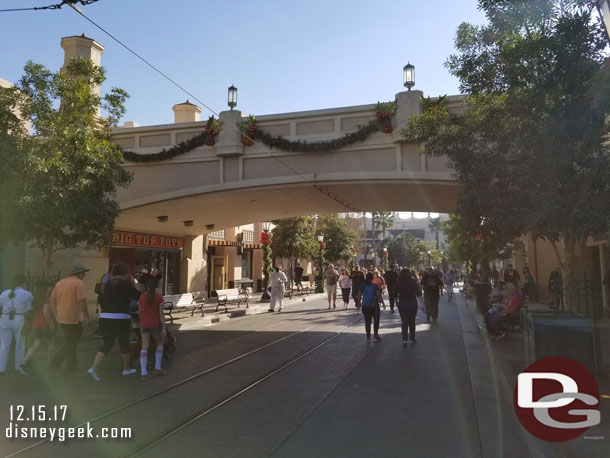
<point>169,342</point>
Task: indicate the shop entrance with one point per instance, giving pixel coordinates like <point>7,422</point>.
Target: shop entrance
<point>218,274</point>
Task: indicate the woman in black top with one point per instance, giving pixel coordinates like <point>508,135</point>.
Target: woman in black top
<point>408,291</point>
<point>115,319</point>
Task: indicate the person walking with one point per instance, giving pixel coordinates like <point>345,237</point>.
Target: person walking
<point>370,307</point>
<point>432,285</point>
<point>43,324</point>
<point>556,289</point>
<point>346,285</point>
<point>380,282</point>
<point>391,280</point>
<point>115,319</point>
<point>15,304</point>
<point>408,291</point>
<point>298,277</point>
<point>152,324</point>
<point>448,279</point>
<point>330,279</point>
<point>357,278</point>
<point>69,303</point>
<point>277,283</point>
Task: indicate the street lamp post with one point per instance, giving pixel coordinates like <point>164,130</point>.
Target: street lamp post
<point>232,97</point>
<point>265,242</point>
<point>385,258</point>
<point>408,76</point>
<point>319,286</point>
<point>429,258</point>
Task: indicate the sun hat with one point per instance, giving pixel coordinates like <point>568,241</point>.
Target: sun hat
<point>78,268</point>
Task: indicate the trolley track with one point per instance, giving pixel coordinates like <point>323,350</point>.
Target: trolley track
<point>223,400</point>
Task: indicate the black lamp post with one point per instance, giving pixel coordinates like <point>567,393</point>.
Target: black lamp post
<point>319,286</point>
<point>408,76</point>
<point>232,97</point>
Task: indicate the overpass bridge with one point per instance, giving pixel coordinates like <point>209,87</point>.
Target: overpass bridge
<point>228,184</point>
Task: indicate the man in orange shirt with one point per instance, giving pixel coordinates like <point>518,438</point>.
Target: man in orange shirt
<point>69,301</point>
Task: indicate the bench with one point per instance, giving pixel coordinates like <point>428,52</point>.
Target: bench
<point>195,300</point>
<point>305,288</point>
<point>234,295</point>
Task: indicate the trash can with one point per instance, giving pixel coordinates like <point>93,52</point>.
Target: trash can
<point>482,292</point>
<point>558,334</point>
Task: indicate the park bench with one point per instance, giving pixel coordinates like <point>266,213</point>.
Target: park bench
<point>305,288</point>
<point>234,295</point>
<point>194,300</point>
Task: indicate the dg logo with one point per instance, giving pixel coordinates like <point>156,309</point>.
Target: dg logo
<point>557,399</point>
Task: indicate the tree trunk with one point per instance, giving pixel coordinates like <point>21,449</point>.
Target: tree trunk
<point>47,257</point>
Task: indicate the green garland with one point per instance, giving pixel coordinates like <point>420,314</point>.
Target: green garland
<point>279,142</point>
<point>269,140</point>
<point>182,148</point>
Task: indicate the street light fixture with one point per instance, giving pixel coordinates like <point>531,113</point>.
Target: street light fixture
<point>320,238</point>
<point>232,97</point>
<point>408,76</point>
<point>266,226</point>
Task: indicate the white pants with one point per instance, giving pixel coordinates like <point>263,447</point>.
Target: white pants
<point>9,329</point>
<point>277,295</point>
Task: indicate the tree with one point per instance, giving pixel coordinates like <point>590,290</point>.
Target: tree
<point>62,179</point>
<point>406,250</point>
<point>338,238</point>
<point>295,238</point>
<point>528,151</point>
<point>435,226</point>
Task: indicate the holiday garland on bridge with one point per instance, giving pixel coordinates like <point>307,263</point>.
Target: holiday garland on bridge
<point>250,132</point>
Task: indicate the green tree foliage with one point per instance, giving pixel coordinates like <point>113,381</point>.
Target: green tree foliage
<point>59,180</point>
<point>295,238</point>
<point>338,238</point>
<point>405,250</point>
<point>528,150</point>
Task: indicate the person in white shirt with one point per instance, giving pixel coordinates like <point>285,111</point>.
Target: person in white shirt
<point>15,303</point>
<point>345,283</point>
<point>277,283</point>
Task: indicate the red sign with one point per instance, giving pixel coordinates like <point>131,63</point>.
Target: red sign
<point>136,239</point>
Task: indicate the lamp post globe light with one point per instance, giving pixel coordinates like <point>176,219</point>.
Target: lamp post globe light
<point>232,97</point>
<point>319,275</point>
<point>408,76</point>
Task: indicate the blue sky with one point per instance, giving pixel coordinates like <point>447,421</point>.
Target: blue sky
<point>283,56</point>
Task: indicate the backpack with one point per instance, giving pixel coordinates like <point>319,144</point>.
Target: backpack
<point>369,295</point>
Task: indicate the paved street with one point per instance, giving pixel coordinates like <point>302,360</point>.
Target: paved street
<point>300,383</point>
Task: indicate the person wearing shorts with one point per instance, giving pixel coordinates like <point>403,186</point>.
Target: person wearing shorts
<point>331,276</point>
<point>115,319</point>
<point>152,324</point>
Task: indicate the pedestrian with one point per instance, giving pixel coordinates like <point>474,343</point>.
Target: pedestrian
<point>43,324</point>
<point>115,319</point>
<point>391,280</point>
<point>370,307</point>
<point>448,279</point>
<point>277,283</point>
<point>152,324</point>
<point>380,282</point>
<point>432,286</point>
<point>357,278</point>
<point>69,303</point>
<point>408,291</point>
<point>556,289</point>
<point>330,279</point>
<point>495,275</point>
<point>346,285</point>
<point>15,304</point>
<point>512,276</point>
<point>298,277</point>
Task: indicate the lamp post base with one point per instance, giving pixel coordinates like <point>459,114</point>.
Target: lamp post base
<point>319,286</point>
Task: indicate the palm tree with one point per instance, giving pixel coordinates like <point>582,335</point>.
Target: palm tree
<point>383,220</point>
<point>436,227</point>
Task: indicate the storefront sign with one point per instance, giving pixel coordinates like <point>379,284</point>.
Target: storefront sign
<point>136,239</point>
